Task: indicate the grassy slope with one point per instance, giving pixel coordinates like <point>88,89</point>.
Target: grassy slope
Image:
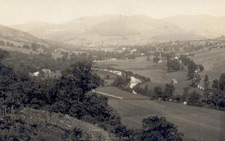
<point>213,62</point>
<point>196,123</point>
<point>52,124</point>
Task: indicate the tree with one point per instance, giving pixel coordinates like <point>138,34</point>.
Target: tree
<point>195,80</point>
<point>72,87</point>
<point>26,46</point>
<point>194,99</point>
<point>207,90</point>
<point>191,69</point>
<point>156,59</point>
<point>168,91</point>
<point>121,131</point>
<point>222,82</point>
<point>217,99</point>
<point>122,81</point>
<point>173,65</point>
<point>35,46</point>
<point>71,95</point>
<point>215,84</point>
<point>185,60</point>
<point>185,93</point>
<point>201,68</point>
<point>158,129</point>
<point>158,93</point>
<point>206,82</point>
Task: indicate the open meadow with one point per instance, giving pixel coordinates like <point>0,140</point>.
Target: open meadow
<point>212,60</point>
<point>195,123</point>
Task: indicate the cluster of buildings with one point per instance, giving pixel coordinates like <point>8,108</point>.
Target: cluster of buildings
<point>47,73</point>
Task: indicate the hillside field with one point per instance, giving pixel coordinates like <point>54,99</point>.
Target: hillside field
<point>213,62</point>
<point>195,123</point>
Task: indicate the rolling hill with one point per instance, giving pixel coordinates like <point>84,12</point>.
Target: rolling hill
<point>15,40</point>
<point>20,41</point>
<point>202,25</point>
<point>110,30</point>
<point>6,32</point>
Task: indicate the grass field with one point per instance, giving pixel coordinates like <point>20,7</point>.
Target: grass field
<point>195,123</point>
<point>213,62</point>
<point>156,72</point>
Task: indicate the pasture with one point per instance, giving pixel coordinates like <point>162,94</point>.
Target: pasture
<point>195,123</point>
<point>213,62</point>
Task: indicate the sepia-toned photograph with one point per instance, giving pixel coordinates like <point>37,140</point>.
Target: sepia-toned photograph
<point>112,70</point>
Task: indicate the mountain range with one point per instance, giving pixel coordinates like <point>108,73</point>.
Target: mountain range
<point>127,30</point>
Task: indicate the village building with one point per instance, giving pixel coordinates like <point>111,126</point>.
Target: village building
<point>35,74</point>
<point>47,73</point>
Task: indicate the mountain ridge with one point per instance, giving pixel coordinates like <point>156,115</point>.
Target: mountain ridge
<point>130,30</point>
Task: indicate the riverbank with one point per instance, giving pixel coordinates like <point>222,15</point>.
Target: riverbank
<point>133,79</point>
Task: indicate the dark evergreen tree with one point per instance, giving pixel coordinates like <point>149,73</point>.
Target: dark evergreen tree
<point>207,90</point>
<point>191,69</point>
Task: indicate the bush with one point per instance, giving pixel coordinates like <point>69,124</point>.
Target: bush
<point>158,129</point>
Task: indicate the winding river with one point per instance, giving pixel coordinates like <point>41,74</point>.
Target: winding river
<point>133,80</point>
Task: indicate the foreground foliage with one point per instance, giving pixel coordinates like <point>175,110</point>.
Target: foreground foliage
<point>70,95</point>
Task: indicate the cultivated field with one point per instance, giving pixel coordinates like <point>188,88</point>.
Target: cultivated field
<point>195,123</point>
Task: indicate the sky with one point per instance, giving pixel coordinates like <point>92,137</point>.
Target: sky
<point>60,11</point>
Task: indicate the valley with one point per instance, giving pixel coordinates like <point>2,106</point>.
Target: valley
<point>114,77</point>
